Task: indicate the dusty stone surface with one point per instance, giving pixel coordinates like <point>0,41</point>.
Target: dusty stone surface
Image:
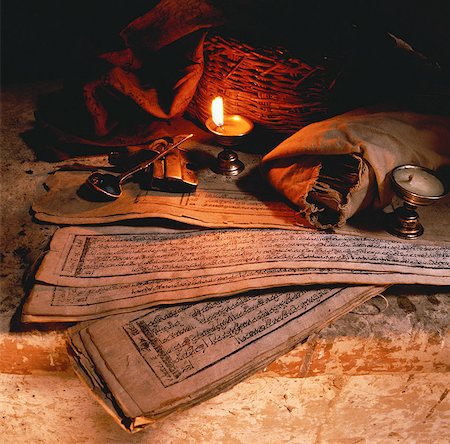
<point>264,410</point>
<point>21,181</point>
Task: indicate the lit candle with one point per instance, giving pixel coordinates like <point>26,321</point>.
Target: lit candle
<point>231,127</point>
<point>419,181</point>
<point>217,111</point>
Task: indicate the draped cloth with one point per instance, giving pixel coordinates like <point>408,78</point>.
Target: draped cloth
<point>135,89</point>
<point>336,168</point>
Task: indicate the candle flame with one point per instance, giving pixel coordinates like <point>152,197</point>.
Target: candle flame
<point>217,111</point>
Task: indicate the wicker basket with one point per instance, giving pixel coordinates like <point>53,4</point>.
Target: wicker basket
<point>275,91</point>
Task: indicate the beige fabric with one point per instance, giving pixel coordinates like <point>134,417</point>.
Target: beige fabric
<point>338,167</point>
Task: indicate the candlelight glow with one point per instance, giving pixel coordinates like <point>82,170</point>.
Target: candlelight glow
<point>217,111</point>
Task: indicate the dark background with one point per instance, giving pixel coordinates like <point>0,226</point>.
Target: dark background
<point>42,39</point>
<point>50,39</point>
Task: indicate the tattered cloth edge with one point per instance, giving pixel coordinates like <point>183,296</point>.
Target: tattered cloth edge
<point>321,195</point>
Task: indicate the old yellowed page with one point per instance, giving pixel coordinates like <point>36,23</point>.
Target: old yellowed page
<point>219,201</point>
<point>49,303</point>
<point>101,256</point>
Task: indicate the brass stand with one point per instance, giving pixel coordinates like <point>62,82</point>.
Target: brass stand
<point>405,222</point>
<point>228,163</point>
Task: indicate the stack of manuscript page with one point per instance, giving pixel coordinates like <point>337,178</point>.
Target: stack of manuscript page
<point>94,272</point>
<point>142,365</point>
<point>245,201</point>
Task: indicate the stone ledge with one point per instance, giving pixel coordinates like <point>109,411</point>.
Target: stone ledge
<point>410,336</point>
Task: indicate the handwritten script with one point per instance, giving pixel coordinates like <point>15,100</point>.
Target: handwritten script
<point>180,341</point>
